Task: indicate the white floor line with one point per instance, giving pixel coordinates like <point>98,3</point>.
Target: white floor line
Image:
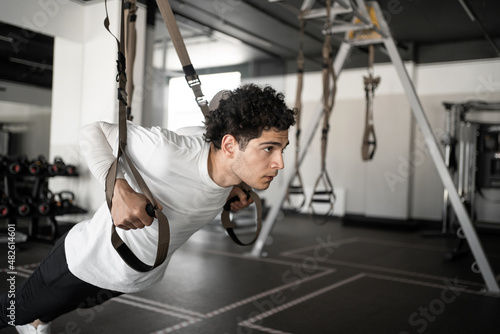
<point>404,244</point>
<point>24,267</point>
<point>262,328</point>
<point>431,285</point>
<point>152,308</point>
<point>260,259</point>
<point>265,294</point>
<point>248,300</point>
<point>21,271</point>
<point>163,305</point>
<point>180,325</point>
<point>334,243</point>
<point>250,322</point>
<point>390,270</point>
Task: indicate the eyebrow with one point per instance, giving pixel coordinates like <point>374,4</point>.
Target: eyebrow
<point>274,143</point>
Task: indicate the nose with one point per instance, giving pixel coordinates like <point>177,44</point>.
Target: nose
<point>278,162</point>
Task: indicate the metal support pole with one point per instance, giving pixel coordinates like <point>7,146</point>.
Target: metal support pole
<point>462,215</point>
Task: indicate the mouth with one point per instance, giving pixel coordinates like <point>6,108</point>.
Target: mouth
<point>270,177</point>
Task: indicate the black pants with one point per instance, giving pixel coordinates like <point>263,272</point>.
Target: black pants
<point>51,291</point>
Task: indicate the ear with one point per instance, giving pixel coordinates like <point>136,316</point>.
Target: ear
<point>229,145</point>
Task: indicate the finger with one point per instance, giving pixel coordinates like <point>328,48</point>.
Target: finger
<point>147,222</point>
<point>236,206</point>
<point>131,225</point>
<point>123,227</point>
<point>138,224</point>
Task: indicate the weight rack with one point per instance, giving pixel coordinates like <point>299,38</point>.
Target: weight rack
<point>25,193</point>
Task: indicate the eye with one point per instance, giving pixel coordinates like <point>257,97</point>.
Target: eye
<point>268,149</point>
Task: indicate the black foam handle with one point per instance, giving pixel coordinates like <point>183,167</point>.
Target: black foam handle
<point>150,210</point>
<point>227,206</point>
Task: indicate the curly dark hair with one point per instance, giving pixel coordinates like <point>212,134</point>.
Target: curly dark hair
<point>245,112</point>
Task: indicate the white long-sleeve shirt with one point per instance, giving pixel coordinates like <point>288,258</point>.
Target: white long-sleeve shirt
<point>175,169</point>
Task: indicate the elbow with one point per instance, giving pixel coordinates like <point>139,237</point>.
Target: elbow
<point>87,133</point>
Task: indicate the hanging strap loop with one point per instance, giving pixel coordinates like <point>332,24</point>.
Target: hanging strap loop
<point>369,144</point>
<point>130,10</point>
<point>323,189</point>
<point>163,227</point>
<point>296,186</point>
<point>229,226</point>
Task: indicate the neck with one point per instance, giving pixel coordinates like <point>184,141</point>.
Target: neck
<point>219,169</point>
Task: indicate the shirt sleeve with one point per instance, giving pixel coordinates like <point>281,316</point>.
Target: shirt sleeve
<point>97,143</point>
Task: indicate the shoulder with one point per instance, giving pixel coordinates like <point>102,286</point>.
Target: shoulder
<point>191,131</point>
<point>190,138</point>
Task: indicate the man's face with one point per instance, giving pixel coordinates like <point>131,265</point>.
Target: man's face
<point>261,159</point>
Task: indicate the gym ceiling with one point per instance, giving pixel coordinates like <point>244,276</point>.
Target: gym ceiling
<point>426,31</point>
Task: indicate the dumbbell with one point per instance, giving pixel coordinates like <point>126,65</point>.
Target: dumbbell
<point>71,170</point>
<point>38,166</point>
<point>46,205</point>
<point>5,207</point>
<point>18,166</point>
<point>58,167</point>
<point>25,207</point>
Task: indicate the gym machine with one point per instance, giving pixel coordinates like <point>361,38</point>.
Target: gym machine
<point>472,155</point>
<point>382,35</point>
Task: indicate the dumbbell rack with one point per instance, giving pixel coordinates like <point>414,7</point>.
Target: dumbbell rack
<point>26,196</point>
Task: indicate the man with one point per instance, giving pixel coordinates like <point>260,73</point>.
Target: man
<point>190,176</point>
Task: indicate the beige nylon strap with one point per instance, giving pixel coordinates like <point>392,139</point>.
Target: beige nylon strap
<point>296,186</point>
<point>130,16</point>
<point>323,188</point>
<point>163,226</point>
<point>369,144</point>
<point>191,76</point>
<point>228,225</point>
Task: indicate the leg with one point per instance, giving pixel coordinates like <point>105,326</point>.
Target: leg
<point>51,291</point>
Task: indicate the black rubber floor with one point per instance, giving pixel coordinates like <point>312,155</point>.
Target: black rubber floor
<point>332,278</point>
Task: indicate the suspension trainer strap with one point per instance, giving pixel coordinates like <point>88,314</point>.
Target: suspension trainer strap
<point>371,83</point>
<point>130,47</point>
<point>327,194</point>
<point>329,91</point>
<point>163,227</point>
<point>191,76</point>
<point>228,225</point>
<point>296,187</point>
<point>195,84</point>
